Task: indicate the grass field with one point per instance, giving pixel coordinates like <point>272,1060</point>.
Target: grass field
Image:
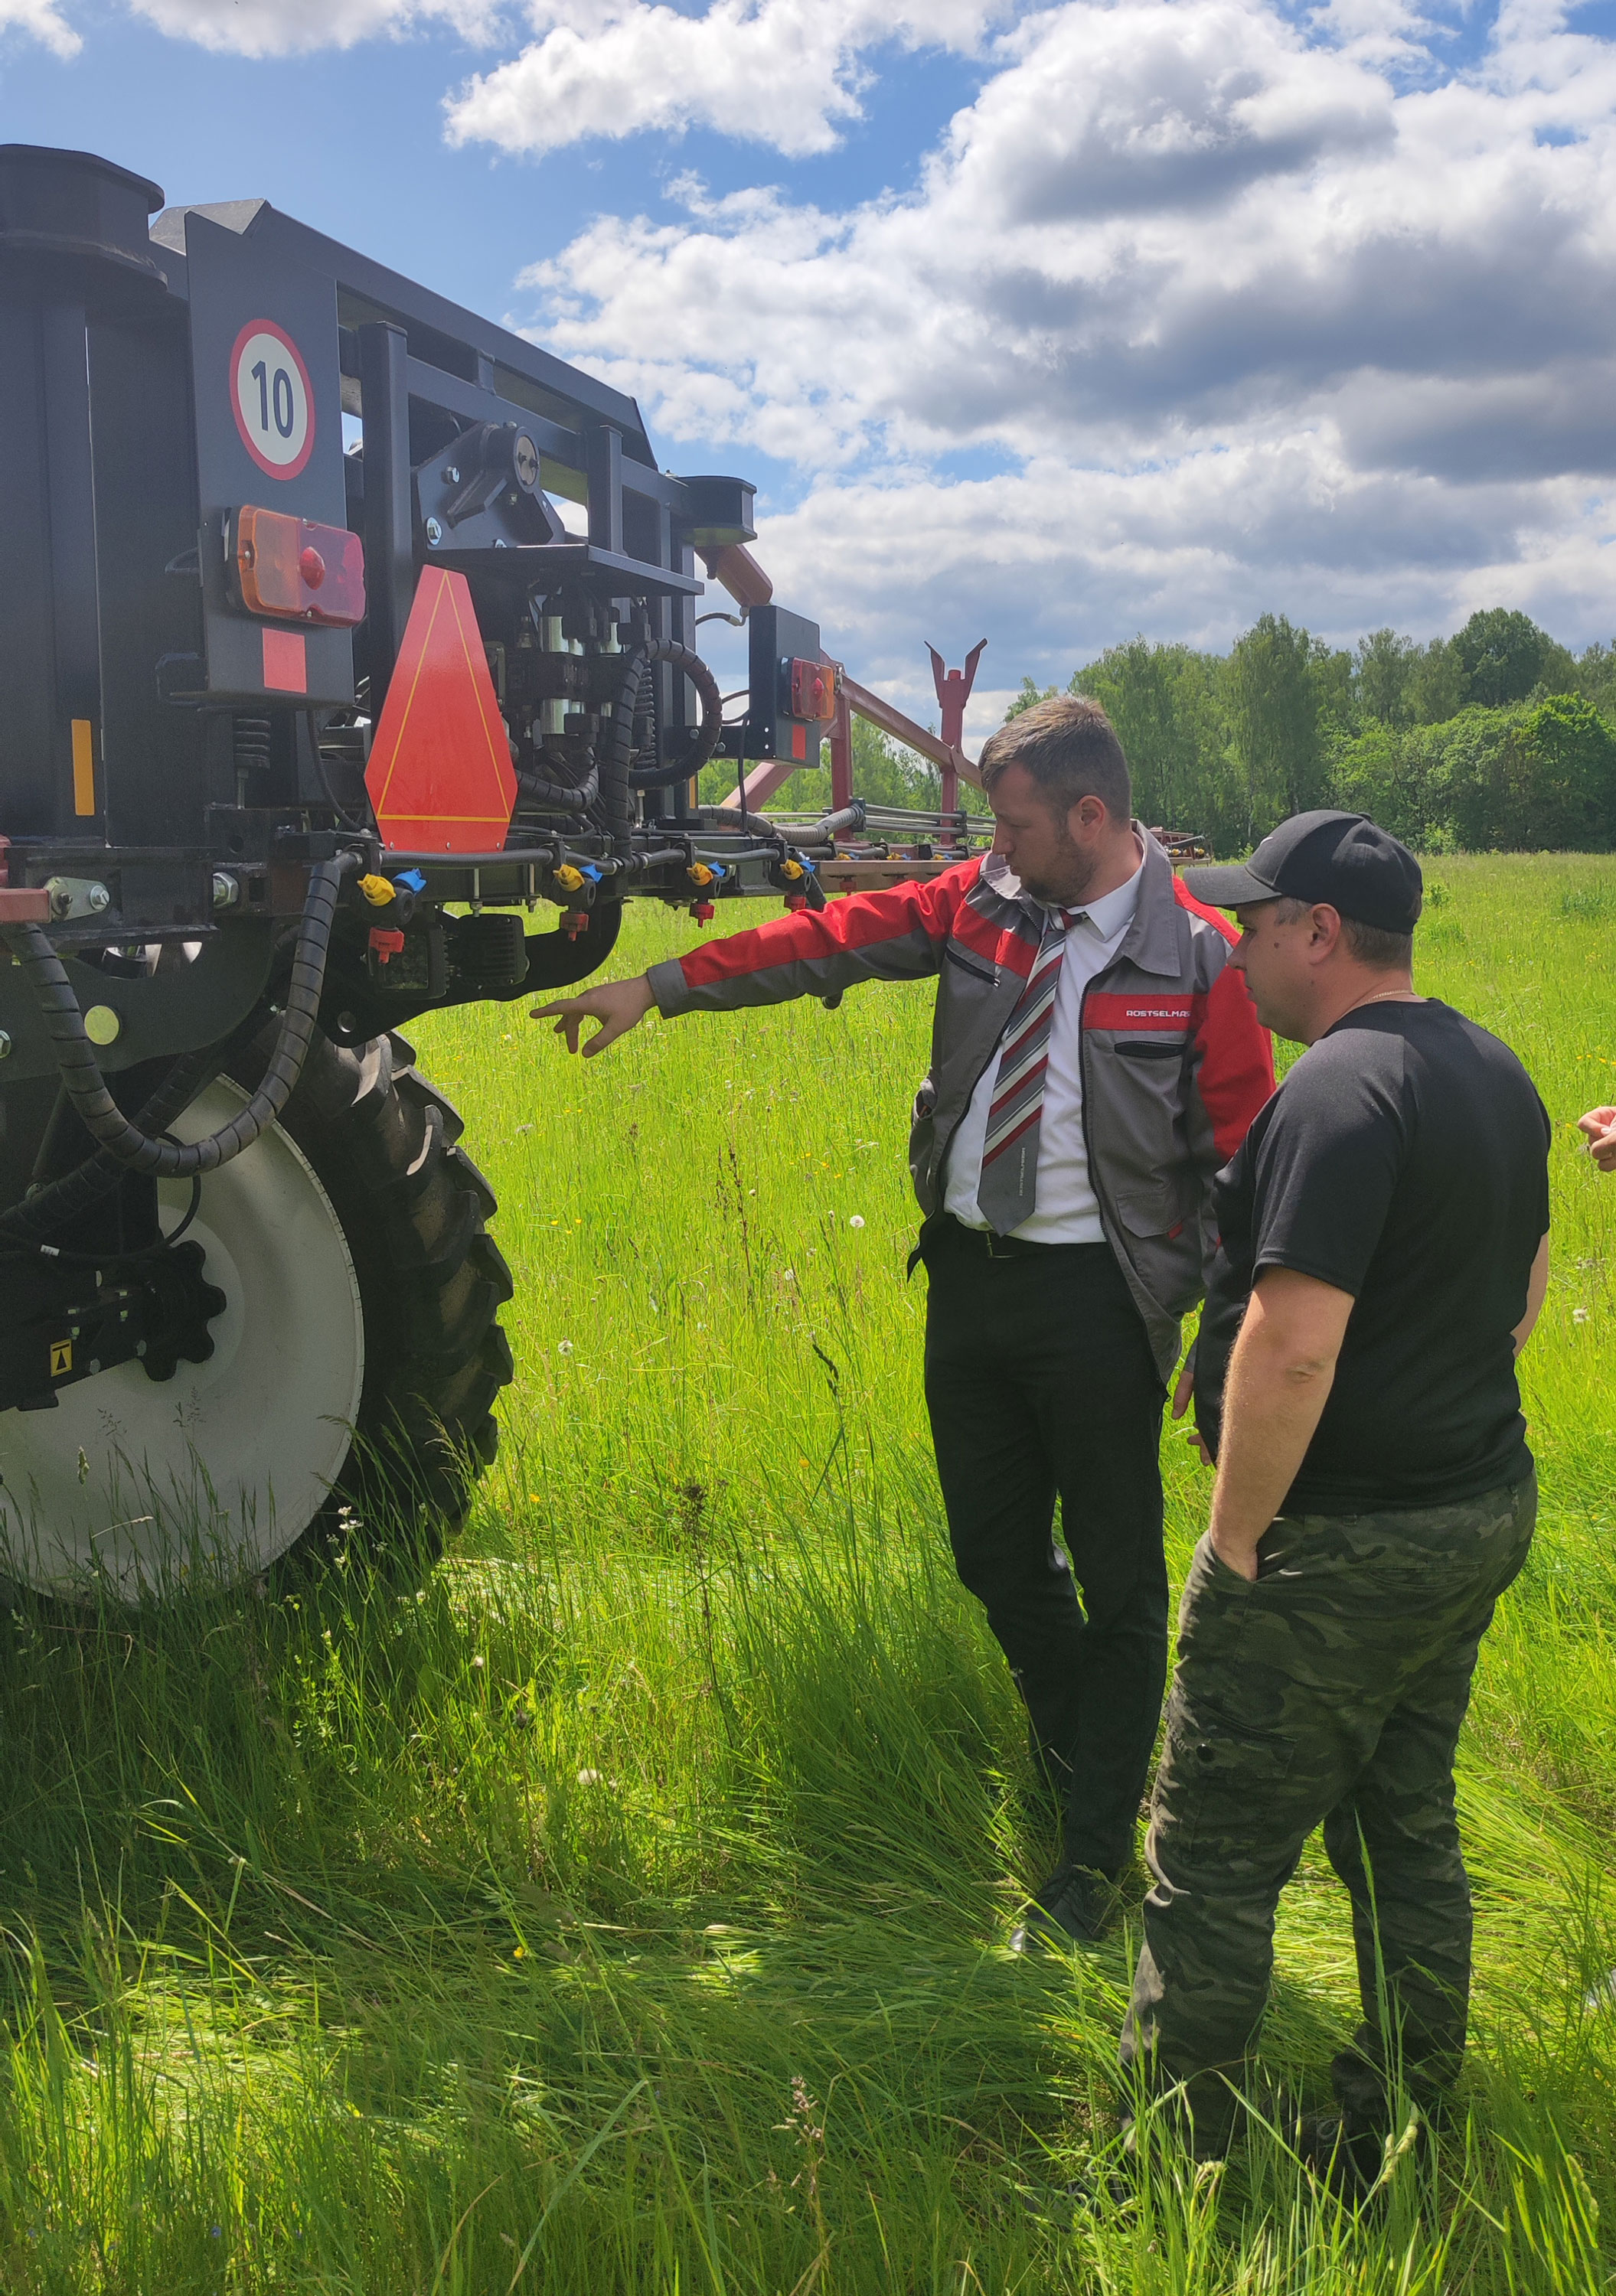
<point>625,1910</point>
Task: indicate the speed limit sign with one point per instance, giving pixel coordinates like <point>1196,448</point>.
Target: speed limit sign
<point>271,399</point>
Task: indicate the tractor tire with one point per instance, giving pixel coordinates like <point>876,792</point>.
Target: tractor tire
<point>413,1209</point>
<point>356,1362</point>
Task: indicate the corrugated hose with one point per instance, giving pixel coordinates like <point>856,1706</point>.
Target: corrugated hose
<point>111,1130</point>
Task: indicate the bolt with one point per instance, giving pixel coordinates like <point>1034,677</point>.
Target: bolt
<point>98,898</point>
<point>451,475</point>
<point>5,1043</point>
<point>434,532</point>
<point>226,890</point>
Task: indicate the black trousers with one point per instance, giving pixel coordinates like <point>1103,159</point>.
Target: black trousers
<point>1040,1383</point>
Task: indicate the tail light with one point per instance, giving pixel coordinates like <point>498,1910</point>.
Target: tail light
<point>812,688</point>
<point>296,571</point>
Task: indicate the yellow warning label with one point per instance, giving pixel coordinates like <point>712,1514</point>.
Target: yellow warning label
<point>61,1356</point>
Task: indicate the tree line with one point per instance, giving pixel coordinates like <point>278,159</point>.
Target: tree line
<point>1496,739</point>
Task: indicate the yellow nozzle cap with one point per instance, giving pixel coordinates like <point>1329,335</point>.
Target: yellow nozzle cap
<point>377,892</point>
<point>569,878</point>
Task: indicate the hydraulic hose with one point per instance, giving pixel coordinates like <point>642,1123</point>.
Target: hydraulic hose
<point>561,797</point>
<point>60,1200</point>
<point>704,740</point>
<point>615,782</point>
<point>125,1142</point>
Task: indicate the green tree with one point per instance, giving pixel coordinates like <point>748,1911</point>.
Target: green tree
<point>1537,777</point>
<point>1154,696</point>
<point>1029,698</point>
<point>1502,652</point>
<point>1383,675</point>
<point>1439,685</point>
<point>1274,720</point>
<point>1385,772</point>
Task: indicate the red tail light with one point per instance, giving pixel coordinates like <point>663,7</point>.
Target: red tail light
<point>812,688</point>
<point>296,571</point>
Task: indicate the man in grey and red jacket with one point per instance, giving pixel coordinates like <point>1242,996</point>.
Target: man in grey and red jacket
<point>1094,1062</point>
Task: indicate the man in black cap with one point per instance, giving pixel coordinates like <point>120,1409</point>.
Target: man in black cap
<point>1383,1256</point>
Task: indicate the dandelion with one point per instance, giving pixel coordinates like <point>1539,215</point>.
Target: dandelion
<point>856,1220</point>
<point>519,1953</point>
<point>563,1346</point>
<point>1580,1315</point>
<point>588,1777</point>
<point>477,1665</point>
<point>788,1275</point>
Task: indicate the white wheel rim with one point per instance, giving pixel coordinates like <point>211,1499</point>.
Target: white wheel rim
<point>140,1486</point>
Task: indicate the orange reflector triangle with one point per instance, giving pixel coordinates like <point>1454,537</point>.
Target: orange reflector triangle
<point>440,774</point>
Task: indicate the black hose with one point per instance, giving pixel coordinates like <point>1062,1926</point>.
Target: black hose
<point>562,796</point>
<point>48,1207</point>
<point>616,782</point>
<point>703,739</point>
<point>100,1113</point>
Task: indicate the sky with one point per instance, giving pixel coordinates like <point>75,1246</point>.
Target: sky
<point>1046,325</point>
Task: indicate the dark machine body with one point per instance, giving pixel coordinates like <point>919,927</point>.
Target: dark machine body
<point>245,460</point>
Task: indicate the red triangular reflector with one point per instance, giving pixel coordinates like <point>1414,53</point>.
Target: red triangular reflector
<point>440,774</point>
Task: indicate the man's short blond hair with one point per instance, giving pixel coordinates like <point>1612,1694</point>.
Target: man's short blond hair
<point>1070,747</point>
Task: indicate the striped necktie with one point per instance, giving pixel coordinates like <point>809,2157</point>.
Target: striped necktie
<point>1008,1188</point>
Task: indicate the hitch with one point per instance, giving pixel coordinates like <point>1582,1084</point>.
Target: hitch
<point>70,1322</point>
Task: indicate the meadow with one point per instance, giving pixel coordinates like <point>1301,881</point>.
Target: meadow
<point>623,1906</point>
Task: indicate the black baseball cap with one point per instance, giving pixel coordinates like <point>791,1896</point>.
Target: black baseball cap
<point>1342,858</point>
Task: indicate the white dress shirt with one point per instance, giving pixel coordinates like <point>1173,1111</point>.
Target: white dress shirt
<point>1064,1209</point>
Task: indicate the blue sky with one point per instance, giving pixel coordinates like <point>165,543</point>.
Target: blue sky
<point>1051,324</point>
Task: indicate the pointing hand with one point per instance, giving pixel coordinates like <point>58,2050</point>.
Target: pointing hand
<point>617,1004</point>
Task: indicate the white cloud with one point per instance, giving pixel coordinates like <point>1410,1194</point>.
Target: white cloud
<point>1250,317</point>
<point>41,20</point>
<point>785,73</point>
<point>278,28</point>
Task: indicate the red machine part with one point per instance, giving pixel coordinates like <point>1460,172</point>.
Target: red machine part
<point>439,774</point>
<point>953,691</point>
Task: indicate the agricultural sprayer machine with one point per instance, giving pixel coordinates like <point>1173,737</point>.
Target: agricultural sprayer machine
<point>317,701</point>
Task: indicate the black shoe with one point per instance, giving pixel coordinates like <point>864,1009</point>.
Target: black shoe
<point>1076,1906</point>
<point>1346,2154</point>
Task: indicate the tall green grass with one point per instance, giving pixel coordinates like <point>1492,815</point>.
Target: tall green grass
<point>624,1908</point>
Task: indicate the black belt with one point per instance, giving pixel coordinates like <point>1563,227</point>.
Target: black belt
<point>990,1246</point>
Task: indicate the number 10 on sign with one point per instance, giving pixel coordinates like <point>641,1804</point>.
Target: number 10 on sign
<point>271,399</point>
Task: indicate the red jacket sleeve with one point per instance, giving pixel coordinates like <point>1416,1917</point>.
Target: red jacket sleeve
<point>889,935</point>
<point>1233,1052</point>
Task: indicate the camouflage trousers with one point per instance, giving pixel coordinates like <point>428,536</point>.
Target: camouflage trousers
<point>1330,1690</point>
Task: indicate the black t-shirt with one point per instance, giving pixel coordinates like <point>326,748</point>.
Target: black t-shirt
<point>1404,1159</point>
